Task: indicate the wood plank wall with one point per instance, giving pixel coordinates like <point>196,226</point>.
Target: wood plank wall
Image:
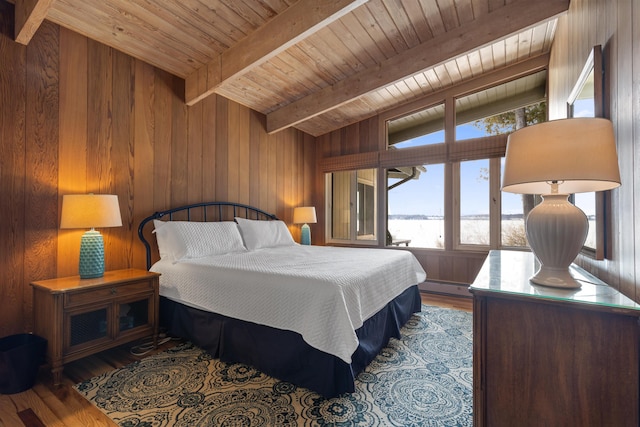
<point>613,25</point>
<point>77,116</point>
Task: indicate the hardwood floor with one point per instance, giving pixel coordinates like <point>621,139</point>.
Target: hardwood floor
<point>46,405</point>
<point>447,301</point>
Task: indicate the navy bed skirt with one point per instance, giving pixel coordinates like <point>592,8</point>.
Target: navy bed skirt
<point>284,354</point>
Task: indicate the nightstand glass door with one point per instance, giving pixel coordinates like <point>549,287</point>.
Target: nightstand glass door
<point>89,326</point>
<point>133,314</point>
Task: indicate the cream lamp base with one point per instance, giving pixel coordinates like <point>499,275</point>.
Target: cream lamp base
<point>556,230</point>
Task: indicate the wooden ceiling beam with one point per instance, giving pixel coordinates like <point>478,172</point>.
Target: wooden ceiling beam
<point>29,14</point>
<point>485,30</point>
<point>296,23</point>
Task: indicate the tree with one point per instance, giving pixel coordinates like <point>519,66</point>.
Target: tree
<point>514,119</point>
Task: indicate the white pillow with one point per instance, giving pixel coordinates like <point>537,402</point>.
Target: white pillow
<point>264,234</point>
<point>187,240</point>
<point>170,245</point>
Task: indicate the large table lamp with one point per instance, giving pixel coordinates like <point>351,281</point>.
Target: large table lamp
<point>90,211</point>
<point>305,215</point>
<point>556,159</point>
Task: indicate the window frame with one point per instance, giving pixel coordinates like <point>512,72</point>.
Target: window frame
<point>594,64</point>
<point>456,150</point>
<point>495,211</point>
<point>448,153</point>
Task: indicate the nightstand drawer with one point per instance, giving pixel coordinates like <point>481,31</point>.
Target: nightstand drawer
<point>92,296</point>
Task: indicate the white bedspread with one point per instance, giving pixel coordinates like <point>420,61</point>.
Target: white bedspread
<point>323,293</point>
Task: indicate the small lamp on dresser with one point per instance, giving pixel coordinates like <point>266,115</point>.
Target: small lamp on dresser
<point>556,159</point>
<point>305,215</point>
<point>90,211</point>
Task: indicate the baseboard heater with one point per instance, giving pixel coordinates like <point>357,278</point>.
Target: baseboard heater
<point>446,288</point>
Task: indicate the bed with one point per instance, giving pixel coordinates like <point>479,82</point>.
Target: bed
<point>235,283</point>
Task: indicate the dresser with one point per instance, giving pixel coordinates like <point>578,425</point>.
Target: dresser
<point>552,357</point>
<point>79,317</point>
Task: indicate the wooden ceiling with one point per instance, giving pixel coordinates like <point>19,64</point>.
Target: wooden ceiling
<point>316,65</point>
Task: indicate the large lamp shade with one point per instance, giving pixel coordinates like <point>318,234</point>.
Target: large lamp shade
<point>579,154</point>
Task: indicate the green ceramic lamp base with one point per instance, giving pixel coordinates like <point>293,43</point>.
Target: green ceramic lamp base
<point>91,255</point>
<point>305,237</point>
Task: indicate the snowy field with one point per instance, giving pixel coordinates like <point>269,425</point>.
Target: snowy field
<point>429,233</point>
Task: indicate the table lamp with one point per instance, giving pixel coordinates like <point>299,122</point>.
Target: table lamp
<point>90,211</point>
<point>556,159</point>
<point>305,215</point>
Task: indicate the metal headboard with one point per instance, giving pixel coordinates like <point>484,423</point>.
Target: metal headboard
<point>210,211</point>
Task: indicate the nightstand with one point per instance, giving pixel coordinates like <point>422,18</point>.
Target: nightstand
<point>79,317</point>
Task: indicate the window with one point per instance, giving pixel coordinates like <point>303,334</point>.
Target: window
<point>366,204</point>
<point>442,173</point>
<point>415,199</point>
<point>424,127</point>
<point>583,106</point>
<point>357,190</point>
<point>587,204</point>
<point>474,203</point>
<point>514,210</point>
<point>340,205</point>
<point>493,111</point>
<point>481,116</point>
<point>586,100</point>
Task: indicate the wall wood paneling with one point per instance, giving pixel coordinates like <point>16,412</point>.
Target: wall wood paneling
<point>77,116</point>
<point>613,25</point>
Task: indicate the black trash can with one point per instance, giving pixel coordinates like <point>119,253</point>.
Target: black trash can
<point>20,358</point>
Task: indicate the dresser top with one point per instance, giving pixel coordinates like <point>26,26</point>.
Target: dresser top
<point>507,273</point>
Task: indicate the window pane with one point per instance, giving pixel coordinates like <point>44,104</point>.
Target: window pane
<point>474,202</point>
<point>513,216</point>
<point>352,196</point>
<point>587,203</point>
<point>366,204</point>
<point>497,110</point>
<point>423,127</point>
<point>415,198</point>
<point>340,205</point>
<point>584,106</point>
<point>477,129</point>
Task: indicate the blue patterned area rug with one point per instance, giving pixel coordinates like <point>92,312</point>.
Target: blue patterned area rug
<point>423,379</point>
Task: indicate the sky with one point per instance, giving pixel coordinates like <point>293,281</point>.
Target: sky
<point>425,196</point>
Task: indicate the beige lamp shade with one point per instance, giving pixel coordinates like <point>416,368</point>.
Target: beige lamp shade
<point>90,211</point>
<point>304,215</point>
<point>578,153</point>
